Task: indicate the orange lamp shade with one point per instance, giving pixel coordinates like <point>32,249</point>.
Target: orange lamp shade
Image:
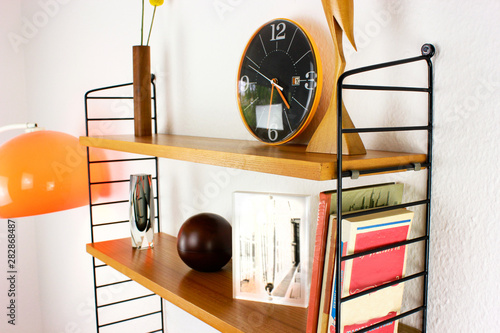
<point>42,172</point>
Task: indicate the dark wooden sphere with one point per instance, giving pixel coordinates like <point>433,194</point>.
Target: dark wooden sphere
<point>204,242</point>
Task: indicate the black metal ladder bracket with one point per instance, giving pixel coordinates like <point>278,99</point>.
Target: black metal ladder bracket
<point>89,95</point>
<point>427,52</point>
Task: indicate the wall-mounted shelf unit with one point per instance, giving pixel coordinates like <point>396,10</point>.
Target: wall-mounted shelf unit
<point>208,296</point>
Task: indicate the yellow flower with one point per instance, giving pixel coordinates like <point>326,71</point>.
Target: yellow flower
<point>156,2</point>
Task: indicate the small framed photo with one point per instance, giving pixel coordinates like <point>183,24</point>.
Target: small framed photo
<point>271,248</point>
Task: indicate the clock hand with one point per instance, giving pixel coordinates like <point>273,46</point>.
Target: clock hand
<point>268,79</point>
<point>281,94</point>
<point>270,105</point>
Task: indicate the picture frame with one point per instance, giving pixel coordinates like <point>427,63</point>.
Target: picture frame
<point>271,247</point>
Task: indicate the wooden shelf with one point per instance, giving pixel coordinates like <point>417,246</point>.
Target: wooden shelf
<point>402,328</point>
<point>286,160</point>
<point>207,296</point>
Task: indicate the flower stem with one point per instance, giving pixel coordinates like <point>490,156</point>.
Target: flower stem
<point>142,22</point>
<point>151,27</point>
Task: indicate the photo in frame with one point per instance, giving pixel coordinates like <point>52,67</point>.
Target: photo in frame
<point>271,247</point>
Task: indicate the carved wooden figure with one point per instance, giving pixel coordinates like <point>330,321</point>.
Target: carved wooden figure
<point>340,17</point>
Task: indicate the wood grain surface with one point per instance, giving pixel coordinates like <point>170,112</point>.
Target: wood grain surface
<point>286,160</point>
<point>207,296</point>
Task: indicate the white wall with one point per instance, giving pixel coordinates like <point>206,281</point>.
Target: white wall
<point>74,46</point>
<point>12,85</point>
<point>13,110</point>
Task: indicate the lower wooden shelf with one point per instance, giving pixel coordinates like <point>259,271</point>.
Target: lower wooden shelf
<point>207,296</point>
<point>402,328</point>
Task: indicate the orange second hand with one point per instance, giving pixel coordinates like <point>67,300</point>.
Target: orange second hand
<point>270,104</point>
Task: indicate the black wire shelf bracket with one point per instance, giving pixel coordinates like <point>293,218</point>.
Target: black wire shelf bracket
<point>95,227</point>
<point>427,52</point>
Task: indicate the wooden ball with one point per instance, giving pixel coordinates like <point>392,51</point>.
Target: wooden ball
<point>204,242</point>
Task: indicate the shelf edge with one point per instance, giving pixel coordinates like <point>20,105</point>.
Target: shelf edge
<point>174,299</point>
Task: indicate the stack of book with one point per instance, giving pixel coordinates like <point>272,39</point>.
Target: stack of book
<point>359,234</point>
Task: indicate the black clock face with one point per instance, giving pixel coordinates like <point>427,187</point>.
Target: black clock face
<point>279,82</point>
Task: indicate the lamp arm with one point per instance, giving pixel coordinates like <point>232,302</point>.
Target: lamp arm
<point>27,126</point>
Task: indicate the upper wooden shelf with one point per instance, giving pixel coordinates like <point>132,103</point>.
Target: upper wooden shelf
<point>207,296</point>
<point>286,160</point>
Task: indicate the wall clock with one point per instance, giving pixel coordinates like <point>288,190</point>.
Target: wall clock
<point>279,82</point>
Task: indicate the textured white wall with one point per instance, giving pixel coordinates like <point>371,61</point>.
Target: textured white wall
<point>13,110</point>
<point>76,45</point>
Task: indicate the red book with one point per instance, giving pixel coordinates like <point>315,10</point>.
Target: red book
<point>318,261</point>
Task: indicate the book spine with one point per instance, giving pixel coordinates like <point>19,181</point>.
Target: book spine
<point>328,276</point>
<point>318,262</point>
<point>333,307</point>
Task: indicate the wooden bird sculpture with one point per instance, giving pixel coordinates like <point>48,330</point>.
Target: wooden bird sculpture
<point>340,18</point>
